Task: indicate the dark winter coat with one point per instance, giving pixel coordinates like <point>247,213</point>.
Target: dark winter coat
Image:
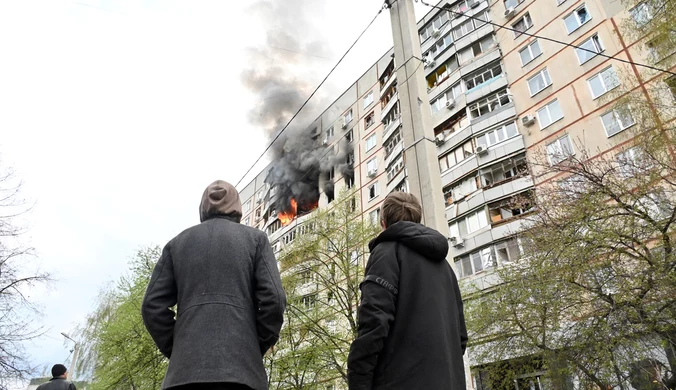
<point>223,278</point>
<point>412,331</point>
<point>57,384</point>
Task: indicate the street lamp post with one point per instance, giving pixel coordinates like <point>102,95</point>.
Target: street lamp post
<point>76,349</point>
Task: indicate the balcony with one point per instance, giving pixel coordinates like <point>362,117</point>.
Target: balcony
<point>396,151</point>
<point>459,170</point>
<point>388,107</point>
<point>396,180</point>
<point>491,86</point>
<point>473,36</point>
<point>481,61</point>
<point>491,194</point>
<point>456,21</point>
<point>503,149</point>
<point>387,84</point>
<point>493,118</point>
<point>442,115</point>
<point>453,140</point>
<point>487,236</point>
<point>391,127</point>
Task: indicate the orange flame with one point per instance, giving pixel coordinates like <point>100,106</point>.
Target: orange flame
<point>287,216</point>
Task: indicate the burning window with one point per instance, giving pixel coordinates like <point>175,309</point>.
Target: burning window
<point>350,158</point>
<point>349,182</point>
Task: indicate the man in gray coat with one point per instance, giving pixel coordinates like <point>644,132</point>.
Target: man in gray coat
<point>224,281</point>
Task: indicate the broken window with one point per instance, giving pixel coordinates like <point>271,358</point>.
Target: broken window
<point>465,187</point>
<point>521,25</point>
<point>373,191</point>
<point>349,182</point>
<point>592,45</point>
<point>504,171</point>
<point>505,210</point>
<point>576,19</point>
<point>370,120</point>
<point>349,136</point>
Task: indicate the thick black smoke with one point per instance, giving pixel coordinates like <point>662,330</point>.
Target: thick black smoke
<point>283,74</point>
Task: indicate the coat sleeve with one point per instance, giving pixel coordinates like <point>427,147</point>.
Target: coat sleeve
<point>375,315</point>
<point>269,296</point>
<point>160,297</point>
<point>461,313</point>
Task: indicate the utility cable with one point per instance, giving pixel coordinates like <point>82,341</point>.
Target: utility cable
<point>499,26</point>
<point>311,96</point>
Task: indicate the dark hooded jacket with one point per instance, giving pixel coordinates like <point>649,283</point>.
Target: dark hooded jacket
<point>412,331</point>
<point>223,279</point>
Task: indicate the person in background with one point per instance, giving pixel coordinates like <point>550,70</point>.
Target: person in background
<point>411,326</point>
<point>223,279</point>
<point>58,381</point>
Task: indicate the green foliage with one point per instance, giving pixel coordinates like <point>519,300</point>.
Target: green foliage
<point>117,349</point>
<point>321,271</point>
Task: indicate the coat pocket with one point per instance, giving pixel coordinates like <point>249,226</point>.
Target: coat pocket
<point>208,299</point>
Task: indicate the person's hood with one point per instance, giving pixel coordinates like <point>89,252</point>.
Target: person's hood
<point>419,238</point>
<point>221,199</point>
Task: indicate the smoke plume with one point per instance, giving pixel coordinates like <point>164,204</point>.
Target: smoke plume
<point>283,73</point>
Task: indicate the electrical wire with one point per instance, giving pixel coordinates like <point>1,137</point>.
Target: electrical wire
<point>279,134</point>
<point>548,39</point>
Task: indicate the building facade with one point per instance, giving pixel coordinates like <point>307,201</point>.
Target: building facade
<point>499,99</point>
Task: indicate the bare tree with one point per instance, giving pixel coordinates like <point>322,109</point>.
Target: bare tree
<point>16,311</point>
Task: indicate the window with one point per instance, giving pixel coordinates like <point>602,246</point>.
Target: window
<point>512,3</point>
<point>374,216</point>
<point>631,162</point>
<point>530,52</point>
<point>372,165</point>
<point>540,81</point>
<point>258,214</point>
<point>521,25</point>
<point>349,136</point>
<point>435,24</point>
<point>247,221</point>
<point>370,142</point>
<point>492,256</point>
<point>440,46</point>
<point>450,94</point>
<point>603,82</point>
<point>395,168</point>
<point>549,114</point>
<point>349,182</point>
<point>368,100</point>
<point>498,135</point>
<point>329,132</point>
<point>305,276</point>
<point>442,72</point>
<point>489,104</point>
<point>309,300</point>
<point>560,150</point>
<point>656,204</point>
<point>465,187</point>
<point>392,142</point>
<point>476,49</point>
<point>370,120</point>
<point>289,237</point>
<point>457,155</point>
<point>468,224</point>
<point>402,187</point>
<point>642,14</point>
<point>615,121</point>
<point>483,76</point>
<point>350,158</point>
<point>246,206</point>
<point>470,25</point>
<point>576,19</point>
<point>503,171</point>
<point>671,84</point>
<point>348,117</point>
<point>592,45</point>
<point>373,191</point>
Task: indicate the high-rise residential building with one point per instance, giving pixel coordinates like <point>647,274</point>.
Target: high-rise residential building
<point>498,99</point>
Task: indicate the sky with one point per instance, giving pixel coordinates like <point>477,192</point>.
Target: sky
<point>116,114</point>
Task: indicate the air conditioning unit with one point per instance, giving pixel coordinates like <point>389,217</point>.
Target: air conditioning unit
<point>372,173</point>
<point>528,120</point>
<point>344,125</point>
<point>440,138</point>
<point>482,150</point>
<point>325,142</point>
<point>429,62</point>
<point>436,32</point>
<point>450,103</point>
<point>456,241</point>
<point>509,13</point>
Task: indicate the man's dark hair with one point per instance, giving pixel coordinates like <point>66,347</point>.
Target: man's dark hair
<point>401,206</point>
<point>58,370</point>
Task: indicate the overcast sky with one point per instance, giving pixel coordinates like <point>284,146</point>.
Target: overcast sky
<point>117,113</point>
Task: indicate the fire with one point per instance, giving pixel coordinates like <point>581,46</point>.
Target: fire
<point>288,215</point>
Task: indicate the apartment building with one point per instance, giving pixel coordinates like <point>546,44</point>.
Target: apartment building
<point>499,99</point>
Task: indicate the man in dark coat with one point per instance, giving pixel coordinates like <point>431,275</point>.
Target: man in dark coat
<point>411,332</point>
<point>223,279</point>
<point>58,381</point>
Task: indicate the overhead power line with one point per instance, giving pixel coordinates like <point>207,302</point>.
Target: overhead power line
<point>279,134</point>
<point>549,39</point>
